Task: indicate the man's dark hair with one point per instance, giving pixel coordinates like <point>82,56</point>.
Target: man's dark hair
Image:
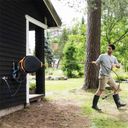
<point>112,46</point>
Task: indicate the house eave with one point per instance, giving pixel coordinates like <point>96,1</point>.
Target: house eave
<point>53,12</point>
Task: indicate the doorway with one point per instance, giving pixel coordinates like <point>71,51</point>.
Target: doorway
<point>30,49</point>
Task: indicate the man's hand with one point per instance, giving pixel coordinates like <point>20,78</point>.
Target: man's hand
<point>93,62</point>
<point>115,65</point>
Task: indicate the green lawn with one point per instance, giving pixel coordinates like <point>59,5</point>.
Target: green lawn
<point>71,89</point>
<point>64,85</point>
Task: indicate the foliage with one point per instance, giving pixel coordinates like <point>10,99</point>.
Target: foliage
<point>48,53</point>
<point>32,86</point>
<point>77,5</point>
<point>69,60</point>
<point>114,21</point>
<point>62,41</point>
<point>115,28</point>
<point>121,74</point>
<point>74,52</point>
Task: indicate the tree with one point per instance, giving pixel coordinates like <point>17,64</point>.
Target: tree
<point>73,60</point>
<point>115,28</point>
<point>69,63</point>
<point>114,20</point>
<point>48,53</point>
<point>93,42</point>
<point>77,5</point>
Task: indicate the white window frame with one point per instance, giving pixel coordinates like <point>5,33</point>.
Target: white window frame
<point>30,19</point>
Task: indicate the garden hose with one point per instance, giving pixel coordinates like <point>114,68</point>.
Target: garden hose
<point>28,64</point>
<point>12,94</point>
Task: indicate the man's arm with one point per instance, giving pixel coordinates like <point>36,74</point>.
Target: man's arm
<point>116,64</point>
<point>93,62</point>
<point>98,61</point>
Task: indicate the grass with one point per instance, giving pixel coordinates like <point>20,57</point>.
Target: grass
<point>63,85</point>
<point>105,122</point>
<point>121,74</point>
<point>71,89</point>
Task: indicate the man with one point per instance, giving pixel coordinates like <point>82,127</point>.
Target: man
<point>107,62</point>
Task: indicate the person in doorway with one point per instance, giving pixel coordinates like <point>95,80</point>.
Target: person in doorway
<point>107,62</point>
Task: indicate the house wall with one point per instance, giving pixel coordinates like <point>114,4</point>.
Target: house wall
<point>13,44</point>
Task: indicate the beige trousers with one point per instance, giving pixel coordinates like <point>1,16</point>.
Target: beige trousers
<point>103,80</point>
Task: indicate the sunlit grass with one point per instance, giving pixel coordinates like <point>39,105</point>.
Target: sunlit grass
<point>63,85</point>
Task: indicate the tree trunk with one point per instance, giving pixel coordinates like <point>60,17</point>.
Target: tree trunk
<point>93,43</point>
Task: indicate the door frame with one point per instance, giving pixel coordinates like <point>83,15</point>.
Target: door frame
<point>34,21</point>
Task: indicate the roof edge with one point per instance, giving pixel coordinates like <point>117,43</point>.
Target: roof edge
<point>53,12</point>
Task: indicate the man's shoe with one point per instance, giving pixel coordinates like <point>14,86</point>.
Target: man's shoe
<point>121,105</point>
<point>117,101</point>
<point>96,108</point>
<point>95,102</point>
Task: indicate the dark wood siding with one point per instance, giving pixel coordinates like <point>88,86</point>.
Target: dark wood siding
<point>13,44</point>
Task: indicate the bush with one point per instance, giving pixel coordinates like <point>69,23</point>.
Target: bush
<point>32,86</point>
<point>69,63</point>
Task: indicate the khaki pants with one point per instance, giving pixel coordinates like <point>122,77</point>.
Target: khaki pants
<point>103,80</point>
